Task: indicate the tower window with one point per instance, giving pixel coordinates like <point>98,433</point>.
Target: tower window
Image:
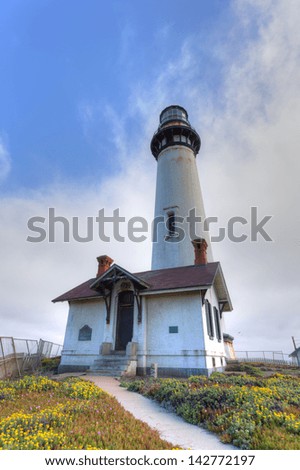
<point>171,224</point>
<point>173,329</point>
<point>173,113</point>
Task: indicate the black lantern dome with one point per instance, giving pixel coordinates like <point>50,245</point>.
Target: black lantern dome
<point>174,129</point>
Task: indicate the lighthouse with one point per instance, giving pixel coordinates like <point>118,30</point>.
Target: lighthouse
<point>179,209</point>
<point>121,323</point>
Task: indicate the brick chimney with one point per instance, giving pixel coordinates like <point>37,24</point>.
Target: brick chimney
<point>104,263</point>
<point>200,247</point>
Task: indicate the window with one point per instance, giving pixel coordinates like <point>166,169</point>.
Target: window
<point>217,323</point>
<point>173,329</point>
<point>173,113</point>
<point>85,333</point>
<point>209,320</point>
<point>171,224</point>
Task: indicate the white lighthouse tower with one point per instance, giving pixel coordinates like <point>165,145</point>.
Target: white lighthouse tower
<point>179,202</point>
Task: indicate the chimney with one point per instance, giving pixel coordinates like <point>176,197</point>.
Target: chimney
<point>104,263</point>
<point>200,247</point>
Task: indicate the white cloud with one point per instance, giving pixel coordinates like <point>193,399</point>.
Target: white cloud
<point>32,274</point>
<point>249,157</point>
<point>253,148</point>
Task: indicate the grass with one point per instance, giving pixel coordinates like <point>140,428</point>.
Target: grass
<point>262,369</point>
<point>39,413</point>
<point>249,411</point>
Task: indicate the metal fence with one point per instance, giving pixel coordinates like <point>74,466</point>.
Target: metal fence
<point>19,356</point>
<point>273,357</point>
<point>48,349</point>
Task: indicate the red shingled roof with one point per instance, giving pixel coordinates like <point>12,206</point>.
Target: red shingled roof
<point>82,291</point>
<point>184,276</point>
<point>158,280</point>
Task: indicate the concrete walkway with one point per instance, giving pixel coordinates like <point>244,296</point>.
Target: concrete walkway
<point>171,427</point>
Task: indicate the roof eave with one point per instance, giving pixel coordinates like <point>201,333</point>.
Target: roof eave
<point>228,307</point>
<point>70,299</point>
<point>174,290</point>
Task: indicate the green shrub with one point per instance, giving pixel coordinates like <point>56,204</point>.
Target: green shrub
<point>239,408</point>
<point>197,379</point>
<point>50,364</point>
<point>252,370</point>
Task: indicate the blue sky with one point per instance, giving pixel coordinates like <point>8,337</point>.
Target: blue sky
<point>82,85</point>
<point>56,56</point>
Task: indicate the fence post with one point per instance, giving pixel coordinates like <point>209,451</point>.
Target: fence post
<point>30,361</point>
<point>15,354</point>
<point>4,363</point>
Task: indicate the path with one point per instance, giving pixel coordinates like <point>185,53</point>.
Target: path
<point>171,427</point>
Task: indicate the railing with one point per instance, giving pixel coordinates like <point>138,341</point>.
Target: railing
<point>48,349</point>
<point>19,356</point>
<point>275,357</point>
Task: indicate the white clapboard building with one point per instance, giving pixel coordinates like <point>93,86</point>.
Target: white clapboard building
<point>170,318</point>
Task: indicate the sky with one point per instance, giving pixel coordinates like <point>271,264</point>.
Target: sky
<point>82,85</point>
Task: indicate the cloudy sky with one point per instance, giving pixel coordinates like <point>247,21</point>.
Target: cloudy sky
<point>82,85</point>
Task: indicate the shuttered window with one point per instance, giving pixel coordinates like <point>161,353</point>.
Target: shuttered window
<point>217,323</point>
<point>209,320</point>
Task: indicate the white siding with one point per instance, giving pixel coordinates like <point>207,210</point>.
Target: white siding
<point>184,349</point>
<point>93,314</point>
<point>214,348</point>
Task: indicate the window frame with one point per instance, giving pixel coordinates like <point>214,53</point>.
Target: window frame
<point>217,324</point>
<point>209,320</point>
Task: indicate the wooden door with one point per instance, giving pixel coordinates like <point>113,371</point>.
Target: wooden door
<point>124,329</point>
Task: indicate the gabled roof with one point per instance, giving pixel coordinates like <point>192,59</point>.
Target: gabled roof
<point>116,273</point>
<point>185,277</point>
